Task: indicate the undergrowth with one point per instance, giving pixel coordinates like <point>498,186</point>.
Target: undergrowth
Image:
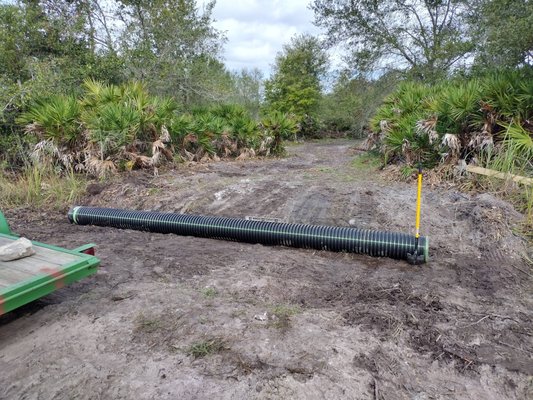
<point>108,128</point>
<point>37,186</point>
<point>486,117</point>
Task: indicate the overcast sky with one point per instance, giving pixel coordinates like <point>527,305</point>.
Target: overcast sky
<point>257,29</point>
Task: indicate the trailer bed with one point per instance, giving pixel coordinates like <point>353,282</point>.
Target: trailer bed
<point>49,269</point>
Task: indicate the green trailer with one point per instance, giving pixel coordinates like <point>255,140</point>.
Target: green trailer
<point>49,269</point>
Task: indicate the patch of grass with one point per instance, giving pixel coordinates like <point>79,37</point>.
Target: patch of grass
<point>320,170</point>
<point>368,161</point>
<point>209,292</point>
<point>38,186</point>
<point>153,191</point>
<point>515,159</point>
<point>206,347</point>
<point>283,314</point>
<point>285,310</point>
<point>147,324</point>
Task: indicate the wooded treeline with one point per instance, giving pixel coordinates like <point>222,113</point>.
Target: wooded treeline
<point>51,51</point>
<point>171,46</point>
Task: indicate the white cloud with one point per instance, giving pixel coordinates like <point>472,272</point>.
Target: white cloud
<point>257,29</point>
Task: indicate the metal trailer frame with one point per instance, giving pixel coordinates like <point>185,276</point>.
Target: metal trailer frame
<point>20,286</point>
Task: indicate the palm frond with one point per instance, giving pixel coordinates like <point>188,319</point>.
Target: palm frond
<point>55,118</point>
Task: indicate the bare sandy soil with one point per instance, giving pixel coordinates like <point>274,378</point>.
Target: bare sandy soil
<point>170,317</point>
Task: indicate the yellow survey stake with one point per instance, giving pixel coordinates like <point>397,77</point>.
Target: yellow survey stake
<point>418,203</point>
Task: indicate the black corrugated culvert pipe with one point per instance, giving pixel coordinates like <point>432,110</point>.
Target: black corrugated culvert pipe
<point>352,240</point>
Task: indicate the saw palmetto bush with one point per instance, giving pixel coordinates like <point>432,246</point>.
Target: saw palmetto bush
<point>107,128</point>
<point>245,131</point>
<point>54,118</point>
<point>239,125</point>
<point>97,93</point>
<point>131,109</point>
<point>223,131</point>
<point>111,127</point>
<point>483,118</point>
<point>279,127</point>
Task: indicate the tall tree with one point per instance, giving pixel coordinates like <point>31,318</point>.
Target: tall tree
<point>295,85</point>
<point>49,46</point>
<point>248,89</point>
<point>12,42</point>
<point>171,44</point>
<point>353,100</point>
<point>504,34</point>
<point>63,34</point>
<point>424,37</point>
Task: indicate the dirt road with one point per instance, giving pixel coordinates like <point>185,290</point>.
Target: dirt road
<point>171,317</point>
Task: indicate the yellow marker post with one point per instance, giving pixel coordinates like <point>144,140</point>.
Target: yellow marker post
<point>417,258</point>
<point>418,204</point>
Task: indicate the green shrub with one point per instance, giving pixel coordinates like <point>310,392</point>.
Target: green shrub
<point>111,127</point>
<point>280,127</point>
<point>55,118</point>
<point>222,131</point>
<point>457,119</point>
